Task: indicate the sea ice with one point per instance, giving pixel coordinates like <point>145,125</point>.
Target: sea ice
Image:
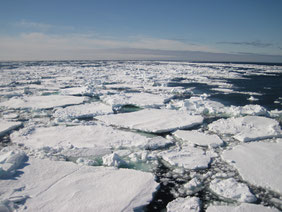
<point>42,102</point>
<point>113,160</point>
<point>187,157</point>
<point>82,111</point>
<point>244,207</point>
<point>188,204</point>
<point>153,120</point>
<point>10,161</point>
<point>199,138</point>
<point>145,100</point>
<point>77,91</point>
<point>157,143</point>
<point>8,126</point>
<point>64,186</point>
<point>248,128</point>
<point>93,137</point>
<point>258,163</point>
<point>231,189</point>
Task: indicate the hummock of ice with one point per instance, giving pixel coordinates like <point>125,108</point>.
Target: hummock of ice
<point>7,126</point>
<point>153,120</point>
<point>188,204</point>
<point>64,186</point>
<point>10,161</point>
<point>113,160</point>
<point>145,100</point>
<point>199,138</point>
<point>82,111</point>
<point>244,207</point>
<point>93,136</point>
<point>258,163</point>
<point>42,102</point>
<point>231,189</point>
<point>187,157</point>
<point>248,128</point>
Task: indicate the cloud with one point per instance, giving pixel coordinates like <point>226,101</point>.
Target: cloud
<point>40,27</point>
<point>252,43</point>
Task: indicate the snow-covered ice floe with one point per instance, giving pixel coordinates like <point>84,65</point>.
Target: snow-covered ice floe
<point>74,138</point>
<point>248,128</point>
<point>153,120</point>
<point>231,189</point>
<point>187,157</point>
<point>42,102</point>
<point>77,91</point>
<point>199,138</point>
<point>188,204</point>
<point>145,100</point>
<point>63,186</point>
<point>82,111</point>
<point>259,163</point>
<point>244,207</point>
<point>8,126</point>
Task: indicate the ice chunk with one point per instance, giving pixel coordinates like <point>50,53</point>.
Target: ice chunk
<point>157,143</point>
<point>65,186</point>
<point>188,204</point>
<point>258,163</point>
<point>231,189</point>
<point>248,128</point>
<point>137,99</point>
<point>7,126</point>
<point>244,207</point>
<point>187,157</point>
<point>113,160</point>
<point>10,161</point>
<point>193,186</point>
<point>153,120</point>
<point>77,91</point>
<point>93,137</point>
<point>82,111</point>
<point>42,102</point>
<point>199,138</point>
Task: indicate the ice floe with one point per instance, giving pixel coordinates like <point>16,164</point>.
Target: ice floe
<point>258,163</point>
<point>231,189</point>
<point>248,128</point>
<point>198,138</point>
<point>187,157</point>
<point>188,204</point>
<point>153,120</point>
<point>8,126</point>
<point>42,102</point>
<point>64,186</point>
<point>82,111</point>
<point>244,207</point>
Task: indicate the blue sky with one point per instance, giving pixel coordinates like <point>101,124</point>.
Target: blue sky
<point>145,29</point>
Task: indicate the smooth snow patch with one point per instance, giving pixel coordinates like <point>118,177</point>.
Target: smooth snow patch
<point>247,128</point>
<point>258,163</point>
<point>64,186</point>
<point>153,120</point>
<point>187,157</point>
<point>199,138</point>
<point>244,207</point>
<point>42,102</point>
<point>188,204</point>
<point>231,189</point>
<point>8,126</point>
<point>82,111</point>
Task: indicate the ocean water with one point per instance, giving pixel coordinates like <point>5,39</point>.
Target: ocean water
<point>232,84</point>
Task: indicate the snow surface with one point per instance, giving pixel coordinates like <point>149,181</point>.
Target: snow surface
<point>152,120</point>
<point>258,163</point>
<point>199,138</point>
<point>145,100</point>
<point>244,207</point>
<point>42,102</point>
<point>8,126</point>
<point>82,111</point>
<point>64,186</point>
<point>188,204</point>
<point>248,128</point>
<point>187,157</point>
<point>231,189</point>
